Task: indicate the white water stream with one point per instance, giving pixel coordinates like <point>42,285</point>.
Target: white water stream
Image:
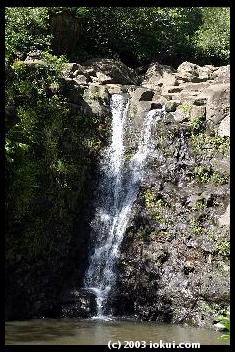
<point>118,190</point>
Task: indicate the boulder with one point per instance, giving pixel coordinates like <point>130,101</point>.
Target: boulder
<point>222,74</point>
<point>159,75</point>
<point>82,80</point>
<point>218,101</point>
<point>198,111</point>
<point>115,88</point>
<point>224,127</point>
<point>171,105</point>
<point>73,69</point>
<point>189,72</point>
<point>116,71</point>
<point>225,218</point>
<point>96,100</point>
<point>182,114</point>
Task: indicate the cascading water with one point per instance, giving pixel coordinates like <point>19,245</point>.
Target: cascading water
<point>118,190</point>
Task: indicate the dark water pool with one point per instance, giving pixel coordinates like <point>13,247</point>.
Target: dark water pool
<point>99,332</point>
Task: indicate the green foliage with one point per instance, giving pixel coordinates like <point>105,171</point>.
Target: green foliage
<point>196,227</point>
<point>223,247</point>
<point>47,158</point>
<point>156,33</point>
<point>203,143</point>
<point>35,80</point>
<point>225,321</point>
<point>199,205</point>
<point>26,28</point>
<point>197,123</point>
<point>157,206</point>
<point>138,35</point>
<point>204,175</point>
<point>149,198</point>
<point>219,178</point>
<point>144,33</point>
<point>213,37</point>
<point>185,108</point>
<point>201,174</point>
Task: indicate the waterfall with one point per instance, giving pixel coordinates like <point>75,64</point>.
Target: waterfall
<point>119,185</point>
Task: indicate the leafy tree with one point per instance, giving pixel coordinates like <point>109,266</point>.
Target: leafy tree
<point>212,40</point>
<point>143,33</point>
<point>26,28</point>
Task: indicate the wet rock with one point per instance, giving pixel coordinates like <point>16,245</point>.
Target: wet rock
<point>171,105</point>
<point>147,95</point>
<point>73,69</point>
<point>215,286</point>
<point>77,303</point>
<point>171,252</point>
<point>188,267</point>
<point>116,88</point>
<point>102,78</point>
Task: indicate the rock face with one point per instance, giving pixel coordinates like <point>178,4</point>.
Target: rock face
<point>76,304</point>
<point>174,263</point>
<point>174,260</point>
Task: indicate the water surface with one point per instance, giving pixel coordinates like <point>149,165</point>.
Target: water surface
<point>98,332</point>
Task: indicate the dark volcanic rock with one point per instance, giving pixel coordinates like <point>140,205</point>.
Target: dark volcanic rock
<point>77,303</point>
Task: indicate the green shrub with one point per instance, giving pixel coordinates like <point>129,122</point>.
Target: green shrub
<point>213,38</point>
<point>203,174</point>
<point>203,143</point>
<point>198,124</point>
<point>225,321</point>
<point>26,28</point>
<point>223,247</point>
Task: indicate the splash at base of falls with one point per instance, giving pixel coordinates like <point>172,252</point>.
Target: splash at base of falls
<point>118,192</point>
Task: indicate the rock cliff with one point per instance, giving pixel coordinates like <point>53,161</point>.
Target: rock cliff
<point>174,261</point>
